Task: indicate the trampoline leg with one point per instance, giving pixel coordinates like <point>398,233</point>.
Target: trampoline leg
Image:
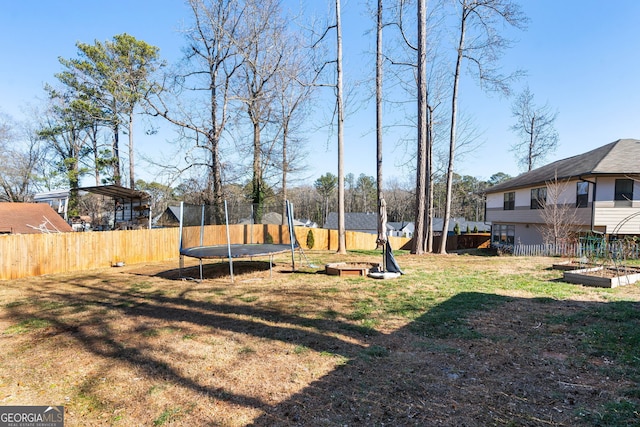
<point>201,277</point>
<point>270,266</point>
<point>181,264</point>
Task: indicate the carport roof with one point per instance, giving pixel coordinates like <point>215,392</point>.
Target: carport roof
<point>118,192</point>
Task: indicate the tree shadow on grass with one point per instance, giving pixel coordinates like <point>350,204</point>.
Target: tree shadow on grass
<point>484,359</point>
<point>473,359</point>
<point>215,270</point>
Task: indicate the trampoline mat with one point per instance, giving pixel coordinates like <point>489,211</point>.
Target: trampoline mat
<point>237,251</point>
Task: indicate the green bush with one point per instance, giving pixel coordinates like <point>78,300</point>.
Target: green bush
<point>310,240</point>
<point>456,229</point>
<point>268,239</point>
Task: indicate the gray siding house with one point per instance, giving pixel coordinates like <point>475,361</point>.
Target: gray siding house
<point>601,186</point>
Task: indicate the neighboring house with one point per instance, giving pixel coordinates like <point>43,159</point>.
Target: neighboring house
<point>599,185</point>
<point>356,221</point>
<point>402,229</point>
<point>170,218</point>
<point>462,223</point>
<point>368,223</point>
<point>30,218</point>
<point>58,200</point>
<point>306,223</point>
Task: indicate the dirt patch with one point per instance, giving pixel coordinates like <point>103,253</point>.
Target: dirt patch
<point>456,341</point>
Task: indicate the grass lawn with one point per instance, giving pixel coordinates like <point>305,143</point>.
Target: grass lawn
<point>459,340</point>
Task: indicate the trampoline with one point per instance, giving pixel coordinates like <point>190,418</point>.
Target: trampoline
<point>235,251</point>
<point>229,250</point>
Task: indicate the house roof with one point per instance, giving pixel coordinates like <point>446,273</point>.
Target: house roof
<point>353,221</point>
<point>30,218</point>
<point>407,226</point>
<point>617,158</point>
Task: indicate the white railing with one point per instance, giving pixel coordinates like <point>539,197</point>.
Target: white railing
<point>615,250</point>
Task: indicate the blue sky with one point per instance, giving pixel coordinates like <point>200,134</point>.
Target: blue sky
<point>582,58</point>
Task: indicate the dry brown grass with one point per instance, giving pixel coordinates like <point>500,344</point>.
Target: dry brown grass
<point>138,346</point>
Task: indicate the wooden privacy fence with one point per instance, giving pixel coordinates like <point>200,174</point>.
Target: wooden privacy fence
<point>25,255</point>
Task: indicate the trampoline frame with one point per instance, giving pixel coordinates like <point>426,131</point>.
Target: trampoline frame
<point>232,251</point>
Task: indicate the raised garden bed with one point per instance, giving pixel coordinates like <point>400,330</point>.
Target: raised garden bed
<point>571,265</point>
<point>602,277</point>
<point>349,268</point>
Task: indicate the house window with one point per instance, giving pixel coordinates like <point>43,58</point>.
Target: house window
<point>509,201</point>
<point>624,189</point>
<point>582,194</point>
<point>503,234</point>
<point>538,197</point>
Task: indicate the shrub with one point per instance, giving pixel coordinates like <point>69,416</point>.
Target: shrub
<point>268,239</point>
<point>310,240</point>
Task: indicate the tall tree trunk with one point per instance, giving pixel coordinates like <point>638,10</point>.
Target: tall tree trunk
<point>342,241</point>
<point>285,169</point>
<point>429,210</point>
<point>421,160</point>
<point>74,183</point>
<point>96,152</point>
<point>258,191</point>
<point>214,182</point>
<point>117,179</point>
<point>379,110</point>
<point>132,179</point>
<point>452,136</point>
<point>531,143</point>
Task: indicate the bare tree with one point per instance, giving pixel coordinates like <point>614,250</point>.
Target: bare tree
<point>213,62</point>
<point>425,83</point>
<point>422,172</point>
<point>401,199</point>
<point>21,152</point>
<point>295,85</point>
<point>480,43</point>
<point>382,204</point>
<point>261,47</point>
<point>559,215</point>
<point>337,86</point>
<point>342,240</point>
<point>535,128</point>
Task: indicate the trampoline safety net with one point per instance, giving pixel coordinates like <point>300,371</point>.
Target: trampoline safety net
<point>248,224</point>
